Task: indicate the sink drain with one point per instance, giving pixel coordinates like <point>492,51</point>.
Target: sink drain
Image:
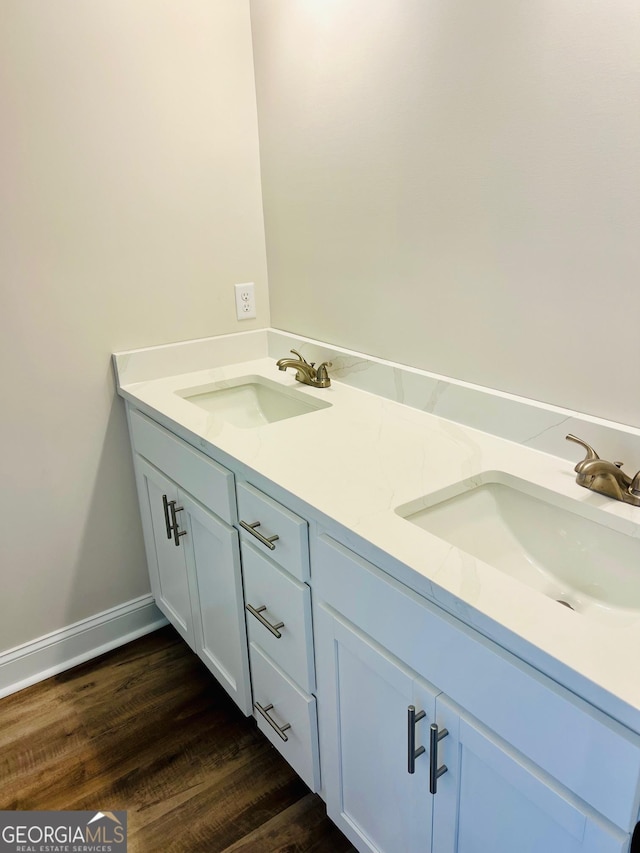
<point>565,603</point>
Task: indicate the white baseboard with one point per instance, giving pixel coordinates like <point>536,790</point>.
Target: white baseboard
<point>39,659</point>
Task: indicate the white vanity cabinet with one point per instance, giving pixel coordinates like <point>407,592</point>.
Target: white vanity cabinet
<point>200,580</point>
<point>524,765</point>
<point>429,736</point>
<point>187,505</point>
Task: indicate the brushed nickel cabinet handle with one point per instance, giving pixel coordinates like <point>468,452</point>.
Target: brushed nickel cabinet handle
<point>251,528</point>
<point>257,612</point>
<point>435,772</point>
<point>412,752</point>
<point>279,730</point>
<point>177,533</point>
<point>167,523</point>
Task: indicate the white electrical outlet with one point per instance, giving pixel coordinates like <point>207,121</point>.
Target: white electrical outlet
<point>245,300</point>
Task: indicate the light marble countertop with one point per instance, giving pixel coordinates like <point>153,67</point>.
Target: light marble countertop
<point>358,460</point>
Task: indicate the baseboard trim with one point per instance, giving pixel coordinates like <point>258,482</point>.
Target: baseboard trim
<point>31,662</point>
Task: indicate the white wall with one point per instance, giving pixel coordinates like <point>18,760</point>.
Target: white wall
<point>456,185</point>
<point>130,205</point>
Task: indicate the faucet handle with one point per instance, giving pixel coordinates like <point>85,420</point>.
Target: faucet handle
<point>634,488</point>
<point>591,454</point>
<point>301,357</point>
<point>322,377</point>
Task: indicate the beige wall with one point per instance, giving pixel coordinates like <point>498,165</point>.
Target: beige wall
<point>456,185</point>
<point>130,205</point>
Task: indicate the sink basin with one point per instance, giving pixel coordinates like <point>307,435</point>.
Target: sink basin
<point>251,401</point>
<point>535,537</point>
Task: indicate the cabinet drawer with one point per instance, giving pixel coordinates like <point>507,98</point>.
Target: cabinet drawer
<point>203,478</point>
<point>293,729</point>
<point>589,753</point>
<point>269,519</point>
<point>287,601</point>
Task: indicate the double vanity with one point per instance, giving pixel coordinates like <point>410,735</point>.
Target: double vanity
<point>434,625</point>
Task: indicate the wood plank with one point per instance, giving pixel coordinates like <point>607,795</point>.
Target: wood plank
<point>302,826</point>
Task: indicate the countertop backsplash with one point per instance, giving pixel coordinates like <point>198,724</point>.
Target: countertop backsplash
<point>534,424</point>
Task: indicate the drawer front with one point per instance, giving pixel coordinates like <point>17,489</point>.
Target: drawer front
<point>268,519</point>
<point>208,482</point>
<point>592,755</point>
<point>288,717</point>
<point>285,600</point>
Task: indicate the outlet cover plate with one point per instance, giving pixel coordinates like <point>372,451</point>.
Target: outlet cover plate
<point>245,300</point>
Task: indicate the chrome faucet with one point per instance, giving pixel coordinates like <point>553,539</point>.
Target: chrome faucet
<point>606,478</point>
<point>305,372</point>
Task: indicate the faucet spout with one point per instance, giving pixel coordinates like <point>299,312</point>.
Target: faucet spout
<point>284,363</point>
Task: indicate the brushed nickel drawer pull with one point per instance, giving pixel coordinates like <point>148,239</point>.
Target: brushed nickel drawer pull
<point>435,772</point>
<point>412,752</point>
<point>257,612</point>
<point>251,528</point>
<point>176,532</point>
<point>167,523</point>
<point>280,730</point>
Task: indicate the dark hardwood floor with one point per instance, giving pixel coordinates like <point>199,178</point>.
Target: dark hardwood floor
<point>147,729</point>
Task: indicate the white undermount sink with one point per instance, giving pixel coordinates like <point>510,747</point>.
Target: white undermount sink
<point>536,537</point>
<point>251,401</point>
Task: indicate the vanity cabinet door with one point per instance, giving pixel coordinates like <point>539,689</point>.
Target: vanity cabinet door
<point>366,694</point>
<point>197,583</point>
<point>212,553</point>
<point>490,798</point>
<point>167,566</point>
